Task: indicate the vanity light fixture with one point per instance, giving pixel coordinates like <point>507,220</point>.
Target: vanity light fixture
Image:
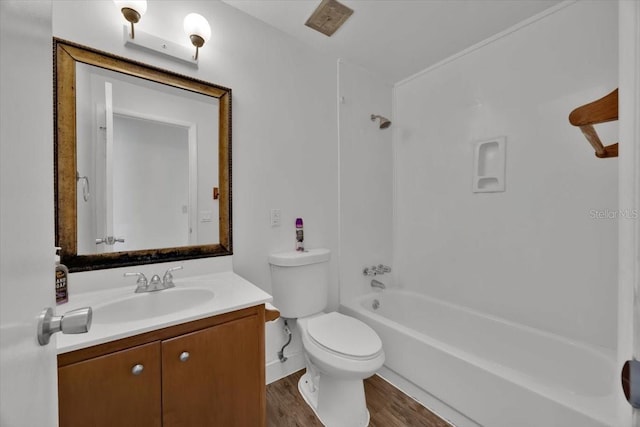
<point>198,30</point>
<point>195,25</point>
<point>132,10</point>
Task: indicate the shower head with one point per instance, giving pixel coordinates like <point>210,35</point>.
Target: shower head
<point>384,122</point>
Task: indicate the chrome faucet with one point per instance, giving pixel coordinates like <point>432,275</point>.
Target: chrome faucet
<point>377,284</point>
<point>156,284</point>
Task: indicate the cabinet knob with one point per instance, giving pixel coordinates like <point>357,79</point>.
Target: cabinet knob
<point>184,356</point>
<point>137,369</point>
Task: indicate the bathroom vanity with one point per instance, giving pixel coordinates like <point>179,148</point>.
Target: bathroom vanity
<point>200,366</point>
<point>192,355</point>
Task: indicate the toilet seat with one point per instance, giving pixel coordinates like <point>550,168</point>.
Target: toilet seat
<point>344,336</point>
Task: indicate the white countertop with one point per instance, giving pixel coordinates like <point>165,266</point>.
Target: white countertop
<point>231,292</point>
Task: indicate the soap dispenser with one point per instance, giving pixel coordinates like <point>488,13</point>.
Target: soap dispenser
<point>62,276</point>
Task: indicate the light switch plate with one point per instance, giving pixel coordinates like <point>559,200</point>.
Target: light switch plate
<point>276,214</point>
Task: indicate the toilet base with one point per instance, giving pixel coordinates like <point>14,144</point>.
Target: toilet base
<point>336,402</point>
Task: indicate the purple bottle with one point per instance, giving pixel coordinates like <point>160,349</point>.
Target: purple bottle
<point>299,235</point>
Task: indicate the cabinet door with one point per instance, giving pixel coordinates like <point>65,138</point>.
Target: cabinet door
<point>221,380</point>
<point>107,391</point>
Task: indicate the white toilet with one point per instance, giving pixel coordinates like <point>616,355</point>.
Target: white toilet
<point>340,351</point>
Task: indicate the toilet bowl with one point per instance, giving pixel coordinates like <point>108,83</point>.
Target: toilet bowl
<point>340,351</point>
<point>341,345</point>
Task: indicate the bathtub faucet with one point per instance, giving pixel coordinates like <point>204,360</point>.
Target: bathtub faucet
<point>377,284</point>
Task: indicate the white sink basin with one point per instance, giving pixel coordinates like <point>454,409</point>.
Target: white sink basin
<point>150,304</point>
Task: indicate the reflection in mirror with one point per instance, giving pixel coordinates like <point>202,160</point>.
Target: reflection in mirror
<point>142,162</point>
<point>148,155</point>
<point>140,143</point>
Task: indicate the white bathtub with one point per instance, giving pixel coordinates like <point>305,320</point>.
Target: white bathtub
<point>494,372</point>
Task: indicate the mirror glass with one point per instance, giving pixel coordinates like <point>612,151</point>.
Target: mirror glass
<point>138,145</point>
<point>142,162</point>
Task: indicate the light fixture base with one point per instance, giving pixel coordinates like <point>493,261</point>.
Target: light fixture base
<point>130,15</point>
<point>152,43</point>
<point>196,40</point>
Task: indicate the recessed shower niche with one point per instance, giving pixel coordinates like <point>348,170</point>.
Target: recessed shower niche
<point>489,165</point>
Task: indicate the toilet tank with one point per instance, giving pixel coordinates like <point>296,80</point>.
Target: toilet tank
<point>300,282</point>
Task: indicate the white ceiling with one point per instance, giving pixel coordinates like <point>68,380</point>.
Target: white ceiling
<point>397,38</point>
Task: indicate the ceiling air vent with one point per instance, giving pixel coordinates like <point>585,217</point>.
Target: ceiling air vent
<point>328,17</point>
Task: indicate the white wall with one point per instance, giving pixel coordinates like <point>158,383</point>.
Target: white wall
<point>285,152</point>
<point>366,179</point>
<point>532,254</point>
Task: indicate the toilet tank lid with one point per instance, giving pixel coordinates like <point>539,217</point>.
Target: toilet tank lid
<point>296,258</point>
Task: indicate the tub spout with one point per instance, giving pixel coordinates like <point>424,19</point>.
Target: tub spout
<point>377,284</point>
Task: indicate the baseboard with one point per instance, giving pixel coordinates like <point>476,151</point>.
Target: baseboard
<point>427,400</point>
<point>277,370</point>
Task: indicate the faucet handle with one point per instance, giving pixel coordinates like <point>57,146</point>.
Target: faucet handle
<point>142,279</point>
<point>384,268</point>
<point>370,271</point>
<point>167,279</point>
<point>376,269</point>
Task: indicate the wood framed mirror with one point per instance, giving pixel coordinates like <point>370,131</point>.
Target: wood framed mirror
<point>142,162</point>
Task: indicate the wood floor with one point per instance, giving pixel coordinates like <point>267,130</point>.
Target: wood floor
<point>388,406</point>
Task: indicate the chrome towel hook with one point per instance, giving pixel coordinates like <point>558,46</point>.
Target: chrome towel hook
<point>86,193</point>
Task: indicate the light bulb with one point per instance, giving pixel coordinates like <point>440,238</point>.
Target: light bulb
<point>197,25</point>
<point>198,30</point>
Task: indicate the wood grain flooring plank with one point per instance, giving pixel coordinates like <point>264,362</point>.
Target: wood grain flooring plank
<point>388,406</point>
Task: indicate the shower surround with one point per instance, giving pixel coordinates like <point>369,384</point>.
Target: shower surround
<point>528,268</point>
<point>535,254</point>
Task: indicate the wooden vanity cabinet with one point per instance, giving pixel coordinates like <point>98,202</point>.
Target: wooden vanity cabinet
<point>101,390</point>
<point>217,381</point>
<point>209,372</point>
